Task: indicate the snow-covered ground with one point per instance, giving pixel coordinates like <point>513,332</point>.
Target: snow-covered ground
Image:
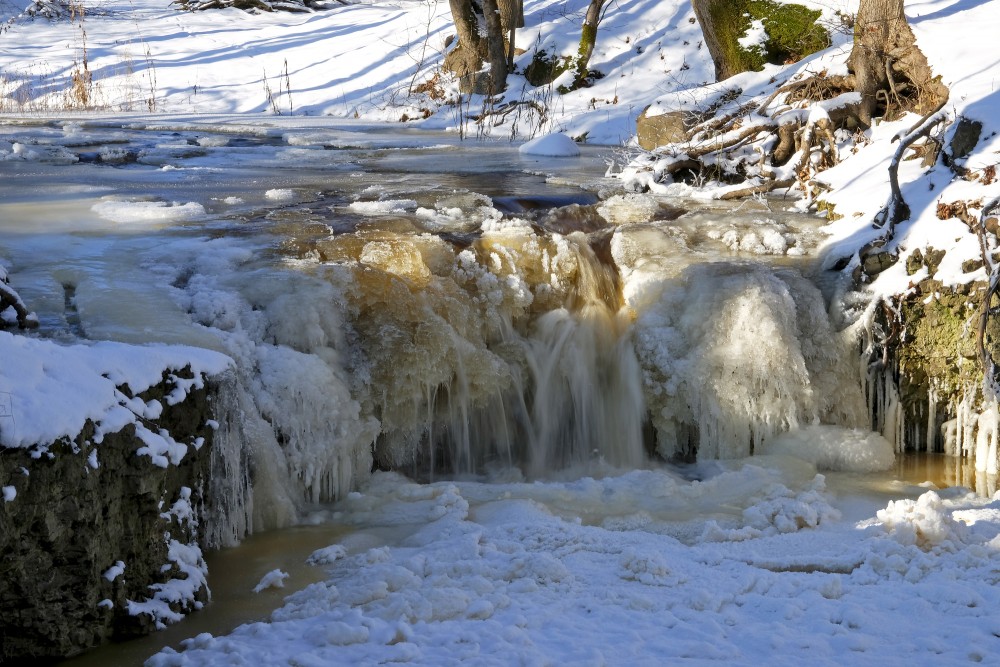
<point>355,60</point>
<point>755,561</point>
<point>749,566</point>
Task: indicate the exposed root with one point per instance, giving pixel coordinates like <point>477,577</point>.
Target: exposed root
<point>790,134</point>
<point>897,210</point>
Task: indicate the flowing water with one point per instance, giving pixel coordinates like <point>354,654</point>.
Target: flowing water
<point>399,300</point>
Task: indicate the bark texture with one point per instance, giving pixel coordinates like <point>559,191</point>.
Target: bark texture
<point>485,30</point>
<point>705,11</point>
<point>890,70</point>
<point>588,39</point>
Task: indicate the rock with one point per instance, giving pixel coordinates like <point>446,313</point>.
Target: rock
<point>914,262</point>
<point>966,137</point>
<point>80,509</point>
<point>970,265</point>
<point>877,261</point>
<point>666,128</point>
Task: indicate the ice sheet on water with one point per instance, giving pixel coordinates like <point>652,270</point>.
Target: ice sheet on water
<point>148,211</point>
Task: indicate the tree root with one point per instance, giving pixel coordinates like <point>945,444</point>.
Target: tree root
<point>897,210</point>
<point>794,139</point>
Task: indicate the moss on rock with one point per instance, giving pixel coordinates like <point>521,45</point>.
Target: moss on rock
<point>792,34</point>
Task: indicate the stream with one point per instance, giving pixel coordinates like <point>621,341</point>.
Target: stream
<point>511,323</point>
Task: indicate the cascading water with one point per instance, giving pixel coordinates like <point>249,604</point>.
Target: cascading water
<point>397,322</point>
<point>519,348</point>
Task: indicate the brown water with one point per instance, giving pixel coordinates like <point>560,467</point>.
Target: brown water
<point>944,471</point>
<point>233,573</point>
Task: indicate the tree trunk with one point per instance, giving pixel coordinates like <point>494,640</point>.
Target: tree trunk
<point>717,19</point>
<point>887,64</point>
<point>467,57</point>
<point>588,39</point>
<point>495,47</point>
<point>511,18</point>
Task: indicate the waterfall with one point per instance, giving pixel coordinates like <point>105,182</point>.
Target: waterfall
<point>512,349</point>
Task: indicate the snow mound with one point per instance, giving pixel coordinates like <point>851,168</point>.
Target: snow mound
<point>551,145</point>
<point>273,579</point>
<point>924,522</point>
<point>835,448</point>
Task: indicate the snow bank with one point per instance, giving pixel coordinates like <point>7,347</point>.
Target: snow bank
<point>54,389</point>
<point>835,448</point>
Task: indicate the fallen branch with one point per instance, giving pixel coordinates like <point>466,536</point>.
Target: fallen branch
<point>503,111</point>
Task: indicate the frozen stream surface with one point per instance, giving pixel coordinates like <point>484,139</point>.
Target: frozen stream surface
<point>515,345</point>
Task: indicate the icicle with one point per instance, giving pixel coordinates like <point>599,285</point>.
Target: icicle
<point>742,352</point>
<point>986,439</point>
<point>931,418</point>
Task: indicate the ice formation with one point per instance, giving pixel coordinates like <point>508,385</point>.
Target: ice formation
<point>517,348</point>
<point>734,354</point>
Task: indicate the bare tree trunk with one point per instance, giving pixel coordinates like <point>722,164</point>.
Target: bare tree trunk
<point>876,30</point>
<point>511,18</point>
<point>588,39</point>
<point>467,57</point>
<point>888,65</point>
<point>717,26</point>
<point>495,47</point>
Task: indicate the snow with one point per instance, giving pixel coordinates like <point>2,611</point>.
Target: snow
<point>755,36</point>
<point>115,571</point>
<point>171,600</point>
<point>743,561</point>
<point>526,573</point>
<point>273,579</point>
<point>83,380</point>
<point>551,145</point>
